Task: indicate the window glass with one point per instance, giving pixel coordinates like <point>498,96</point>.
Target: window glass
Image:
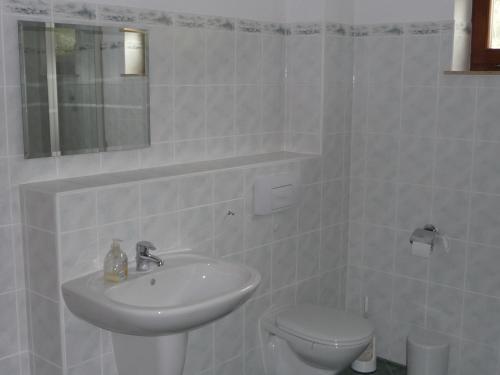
<point>495,25</point>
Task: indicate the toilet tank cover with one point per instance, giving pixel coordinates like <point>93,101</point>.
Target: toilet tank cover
<point>324,325</point>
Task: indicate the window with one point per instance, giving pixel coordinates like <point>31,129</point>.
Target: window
<point>485,48</point>
<point>135,56</point>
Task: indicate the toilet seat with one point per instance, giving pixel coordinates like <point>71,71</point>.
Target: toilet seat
<point>325,326</point>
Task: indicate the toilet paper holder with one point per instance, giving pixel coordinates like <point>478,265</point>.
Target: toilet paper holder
<point>426,235</point>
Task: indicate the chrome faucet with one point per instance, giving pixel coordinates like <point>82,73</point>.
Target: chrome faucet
<point>143,256</point>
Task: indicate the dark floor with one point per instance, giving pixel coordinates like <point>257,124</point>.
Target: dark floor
<point>384,367</point>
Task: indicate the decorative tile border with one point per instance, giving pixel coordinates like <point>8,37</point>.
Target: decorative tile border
<point>387,29</point>
<point>423,28</point>
<point>74,10</point>
<point>306,28</point>
<point>274,28</point>
<point>249,26</point>
<point>117,14</point>
<point>447,26</point>
<point>155,17</point>
<point>27,7</point>
<point>220,23</point>
<point>85,11</point>
<point>120,14</point>
<point>414,28</point>
<point>360,30</point>
<point>190,21</point>
<point>338,29</point>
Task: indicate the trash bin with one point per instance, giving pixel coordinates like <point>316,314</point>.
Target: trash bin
<point>427,353</point>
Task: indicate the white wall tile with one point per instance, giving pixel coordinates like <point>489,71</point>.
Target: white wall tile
<point>483,219</point>
<point>220,56</point>
<point>443,308</point>
<point>414,206</point>
<point>248,58</point>
<point>46,329</point>
<point>480,323</point>
<point>117,204</point>
<point>228,227</point>
<point>415,164</point>
<point>481,274</point>
<point>421,59</point>
<point>304,54</point>
<point>228,336</point>
<point>158,197</point>
<point>284,263</point>
<point>161,41</point>
<point>385,61</point>
<point>83,340</point>
<point>9,340</point>
<point>409,301</point>
<point>78,211</point>
<point>382,109</point>
<point>381,157</point>
<point>253,311</point>
<point>488,110</point>
<point>308,255</point>
<point>228,185</point>
<point>41,208</point>
<point>79,253</point>
<point>161,113</point>
<point>41,249</point>
<point>189,55</point>
<point>456,112</point>
<point>189,112</point>
<point>419,110</point>
<point>485,170</point>
<point>273,59</point>
<point>220,111</point>
<point>453,164</point>
<point>248,110</point>
<point>195,191</point>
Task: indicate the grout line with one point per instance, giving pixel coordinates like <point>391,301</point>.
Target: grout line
<point>61,304</point>
<point>234,88</point>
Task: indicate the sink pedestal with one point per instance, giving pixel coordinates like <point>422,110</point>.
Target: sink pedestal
<point>162,355</point>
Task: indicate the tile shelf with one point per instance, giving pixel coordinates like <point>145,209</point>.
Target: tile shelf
<point>175,170</point>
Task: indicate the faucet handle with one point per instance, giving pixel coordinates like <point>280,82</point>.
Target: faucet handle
<point>143,247</point>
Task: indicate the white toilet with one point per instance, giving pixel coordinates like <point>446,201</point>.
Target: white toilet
<point>311,340</point>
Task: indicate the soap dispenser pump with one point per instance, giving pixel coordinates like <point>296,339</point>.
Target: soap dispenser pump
<point>116,264</point>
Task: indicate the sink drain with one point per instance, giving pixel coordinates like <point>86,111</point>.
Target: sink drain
<point>153,281</point>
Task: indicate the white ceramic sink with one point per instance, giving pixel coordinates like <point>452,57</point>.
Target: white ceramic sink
<point>188,291</point>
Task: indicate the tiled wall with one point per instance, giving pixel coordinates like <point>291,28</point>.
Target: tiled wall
<point>304,87</point>
<point>301,254</point>
<point>217,90</point>
<point>425,149</point>
<point>420,147</point>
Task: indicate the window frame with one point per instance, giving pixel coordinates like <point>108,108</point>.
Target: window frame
<point>482,58</point>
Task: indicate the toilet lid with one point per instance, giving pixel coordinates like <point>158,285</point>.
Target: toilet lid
<point>324,325</point>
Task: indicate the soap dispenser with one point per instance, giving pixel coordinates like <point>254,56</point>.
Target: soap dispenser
<point>116,264</point>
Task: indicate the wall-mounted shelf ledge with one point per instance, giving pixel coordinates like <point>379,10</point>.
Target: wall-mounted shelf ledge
<point>472,72</point>
<point>175,170</point>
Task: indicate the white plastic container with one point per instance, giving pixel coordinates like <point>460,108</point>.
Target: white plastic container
<point>427,353</point>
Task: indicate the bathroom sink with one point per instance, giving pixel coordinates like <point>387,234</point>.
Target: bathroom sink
<point>187,292</point>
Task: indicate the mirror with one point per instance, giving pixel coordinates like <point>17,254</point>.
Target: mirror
<point>84,88</point>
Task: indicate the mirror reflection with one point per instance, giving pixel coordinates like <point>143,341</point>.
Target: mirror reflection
<point>85,88</point>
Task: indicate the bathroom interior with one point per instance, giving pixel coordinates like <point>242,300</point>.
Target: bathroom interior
<point>265,187</point>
